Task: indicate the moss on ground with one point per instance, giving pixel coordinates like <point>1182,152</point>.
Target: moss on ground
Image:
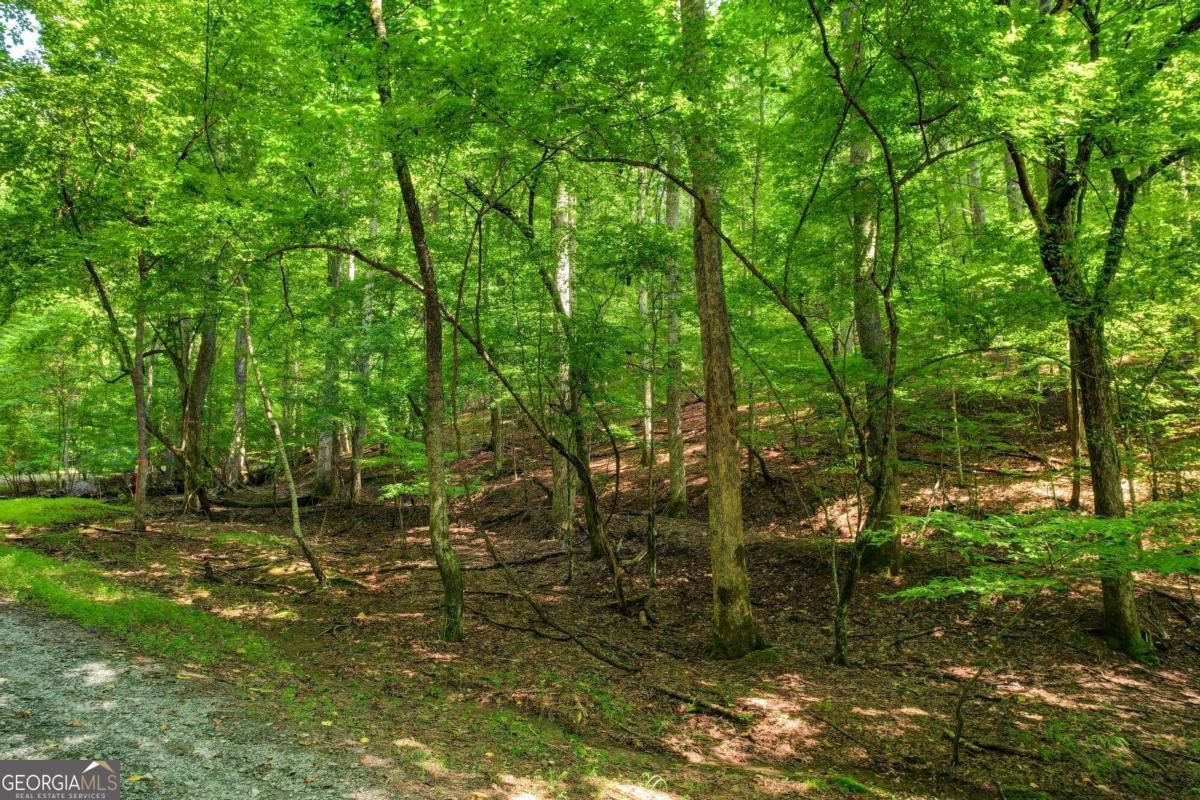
<point>41,511</point>
<point>79,591</point>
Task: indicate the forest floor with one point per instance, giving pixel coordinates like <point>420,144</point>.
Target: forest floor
<point>520,711</point>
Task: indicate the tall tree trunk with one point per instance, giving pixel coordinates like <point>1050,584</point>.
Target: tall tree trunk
<point>734,631</point>
<point>884,506</point>
<point>562,488</point>
<point>881,434</point>
<point>497,436</point>
<point>359,432</point>
<point>137,374</point>
<point>291,380</point>
<point>1074,430</point>
<point>439,524</point>
<point>975,195</point>
<point>1085,307</point>
<point>235,462</point>
<point>677,500</point>
<point>1091,363</point>
<point>192,428</point>
<point>64,449</point>
<point>572,383</point>
<point>328,469</point>
<point>647,324</point>
<point>1012,189</point>
<point>647,373</point>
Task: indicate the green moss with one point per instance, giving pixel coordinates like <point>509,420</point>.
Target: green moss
<point>848,784</point>
<point>1020,793</point>
<point>268,540</point>
<point>79,591</point>
<point>40,511</point>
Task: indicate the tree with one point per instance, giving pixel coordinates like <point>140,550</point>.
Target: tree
<point>1070,151</point>
<point>433,414</point>
<point>734,631</point>
<point>677,499</point>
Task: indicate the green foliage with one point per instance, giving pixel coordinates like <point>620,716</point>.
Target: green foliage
<point>41,511</point>
<point>849,784</point>
<point>1021,554</point>
<point>79,591</point>
<point>282,145</point>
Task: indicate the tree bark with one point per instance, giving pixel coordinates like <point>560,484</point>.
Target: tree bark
<point>734,631</point>
<point>359,433</point>
<point>138,375</point>
<point>235,462</point>
<point>497,443</point>
<point>647,373</point>
<point>1085,306</point>
<point>1091,362</point>
<point>647,324</point>
<point>328,469</point>
<point>1074,430</point>
<point>562,488</point>
<point>439,525</point>
<point>1012,189</point>
<point>677,500</point>
<point>884,551</point>
<point>192,427</point>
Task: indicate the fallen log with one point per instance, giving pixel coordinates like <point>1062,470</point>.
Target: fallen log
<point>413,566</point>
<point>704,705</point>
<point>230,502</point>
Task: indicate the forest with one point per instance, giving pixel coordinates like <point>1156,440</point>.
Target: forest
<point>628,399</point>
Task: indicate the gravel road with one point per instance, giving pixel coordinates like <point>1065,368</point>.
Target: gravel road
<point>68,694</point>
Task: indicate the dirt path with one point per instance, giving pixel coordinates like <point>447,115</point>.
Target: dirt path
<point>65,693</point>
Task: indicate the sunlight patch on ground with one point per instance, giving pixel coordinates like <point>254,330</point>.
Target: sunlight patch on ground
<point>522,788</point>
<point>783,729</point>
<point>93,673</point>
<point>431,655</point>
<point>782,787</point>
<point>433,768</point>
<point>912,711</point>
<point>613,790</point>
<point>404,744</point>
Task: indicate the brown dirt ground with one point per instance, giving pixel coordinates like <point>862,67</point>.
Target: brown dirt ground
<point>515,711</point>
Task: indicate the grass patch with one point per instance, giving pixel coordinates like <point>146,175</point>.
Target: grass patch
<point>80,591</point>
<point>848,784</point>
<point>40,511</point>
<point>238,538</point>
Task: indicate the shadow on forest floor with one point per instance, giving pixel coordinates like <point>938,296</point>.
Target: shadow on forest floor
<point>515,711</point>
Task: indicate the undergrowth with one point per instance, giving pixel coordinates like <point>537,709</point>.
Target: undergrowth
<point>40,511</point>
<point>79,591</point>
